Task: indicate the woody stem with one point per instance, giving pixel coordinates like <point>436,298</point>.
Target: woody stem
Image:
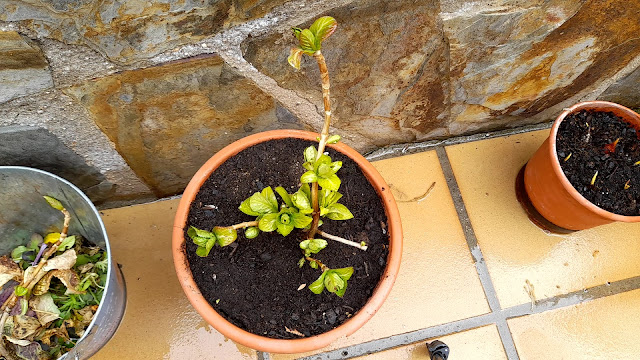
<point>324,136</point>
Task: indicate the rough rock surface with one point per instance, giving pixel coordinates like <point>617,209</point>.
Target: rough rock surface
<point>512,60</point>
<point>388,65</point>
<point>40,149</point>
<point>127,31</point>
<point>625,91</point>
<point>23,68</point>
<point>166,121</point>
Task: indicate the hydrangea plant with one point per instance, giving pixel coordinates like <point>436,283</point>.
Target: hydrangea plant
<point>318,197</point>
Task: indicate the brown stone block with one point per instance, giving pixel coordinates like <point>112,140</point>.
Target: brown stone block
<point>388,63</point>
<point>166,121</point>
<point>511,61</point>
<point>133,30</point>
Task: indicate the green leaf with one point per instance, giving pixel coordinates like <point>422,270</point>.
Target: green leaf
<point>202,251</point>
<point>301,262</point>
<point>67,243</point>
<point>315,245</point>
<point>317,286</point>
<point>308,166</point>
<point>304,245</point>
<point>308,177</point>
<point>284,229</point>
<point>306,189</point>
<point>307,41</point>
<point>35,242</point>
<point>324,159</point>
<point>261,204</point>
<point>335,166</point>
<point>295,57</point>
<point>270,196</point>
<point>300,221</point>
<point>16,254</point>
<point>200,241</point>
<point>330,183</point>
<point>193,232</point>
<point>313,264</point>
<point>325,171</point>
<point>333,139</point>
<point>268,222</point>
<point>328,197</point>
<point>225,235</point>
<point>21,290</point>
<point>339,212</point>
<point>296,32</point>
<point>251,232</point>
<point>323,27</point>
<point>301,201</point>
<point>333,281</point>
<point>340,292</point>
<point>245,207</point>
<point>344,273</point>
<point>284,195</point>
<point>310,154</point>
<point>54,203</point>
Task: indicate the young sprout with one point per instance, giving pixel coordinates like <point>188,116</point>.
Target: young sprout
<point>568,156</point>
<point>636,163</point>
<point>627,185</point>
<point>593,179</point>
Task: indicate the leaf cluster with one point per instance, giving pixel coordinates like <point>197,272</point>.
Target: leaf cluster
<point>310,40</point>
<point>334,280</point>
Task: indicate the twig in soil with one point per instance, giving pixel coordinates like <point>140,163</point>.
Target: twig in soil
<point>419,197</point>
<point>366,268</point>
<point>593,179</point>
<point>361,246</point>
<point>293,331</point>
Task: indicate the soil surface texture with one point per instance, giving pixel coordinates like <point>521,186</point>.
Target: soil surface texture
<point>254,283</point>
<point>586,145</point>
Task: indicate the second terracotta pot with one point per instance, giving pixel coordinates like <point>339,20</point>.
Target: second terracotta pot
<point>277,345</point>
<point>550,191</point>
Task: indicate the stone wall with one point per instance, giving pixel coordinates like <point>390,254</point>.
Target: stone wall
<point>128,98</point>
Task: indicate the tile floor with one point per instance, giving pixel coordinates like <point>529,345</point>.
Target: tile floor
<point>562,297</point>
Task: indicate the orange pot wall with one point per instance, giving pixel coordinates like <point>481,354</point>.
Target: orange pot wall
<point>551,192</point>
<point>276,345</point>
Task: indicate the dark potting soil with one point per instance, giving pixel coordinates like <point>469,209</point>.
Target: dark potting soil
<point>254,283</point>
<point>589,136</point>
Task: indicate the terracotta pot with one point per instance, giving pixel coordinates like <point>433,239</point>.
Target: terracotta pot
<point>550,191</point>
<point>277,345</point>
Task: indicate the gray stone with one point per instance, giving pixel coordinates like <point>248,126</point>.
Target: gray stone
<point>625,91</point>
<point>40,149</point>
<point>23,68</point>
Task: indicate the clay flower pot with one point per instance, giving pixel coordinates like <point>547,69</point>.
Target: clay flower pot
<point>550,191</point>
<point>277,345</point>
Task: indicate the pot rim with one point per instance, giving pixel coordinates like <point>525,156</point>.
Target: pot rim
<point>262,343</point>
<point>555,163</point>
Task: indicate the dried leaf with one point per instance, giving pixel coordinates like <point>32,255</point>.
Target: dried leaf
<point>85,268</point>
<point>24,326</point>
<point>61,262</point>
<point>45,308</point>
<point>68,278</point>
<point>28,350</point>
<point>9,270</point>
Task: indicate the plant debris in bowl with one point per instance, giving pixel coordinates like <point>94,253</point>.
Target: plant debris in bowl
<point>257,284</point>
<point>599,153</point>
<point>50,291</point>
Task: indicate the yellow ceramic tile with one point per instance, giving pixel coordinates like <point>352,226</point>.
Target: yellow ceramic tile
<point>437,282</point>
<point>462,346</point>
<point>517,251</point>
<point>606,328</point>
<point>159,322</point>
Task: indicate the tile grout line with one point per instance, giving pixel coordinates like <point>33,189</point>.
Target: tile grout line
<point>549,304</point>
<point>476,253</point>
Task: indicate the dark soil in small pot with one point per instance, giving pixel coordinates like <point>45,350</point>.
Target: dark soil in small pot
<point>598,152</point>
<point>254,283</point>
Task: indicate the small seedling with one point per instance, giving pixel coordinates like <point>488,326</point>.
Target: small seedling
<point>568,157</point>
<point>627,184</point>
<point>317,198</point>
<point>593,179</point>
